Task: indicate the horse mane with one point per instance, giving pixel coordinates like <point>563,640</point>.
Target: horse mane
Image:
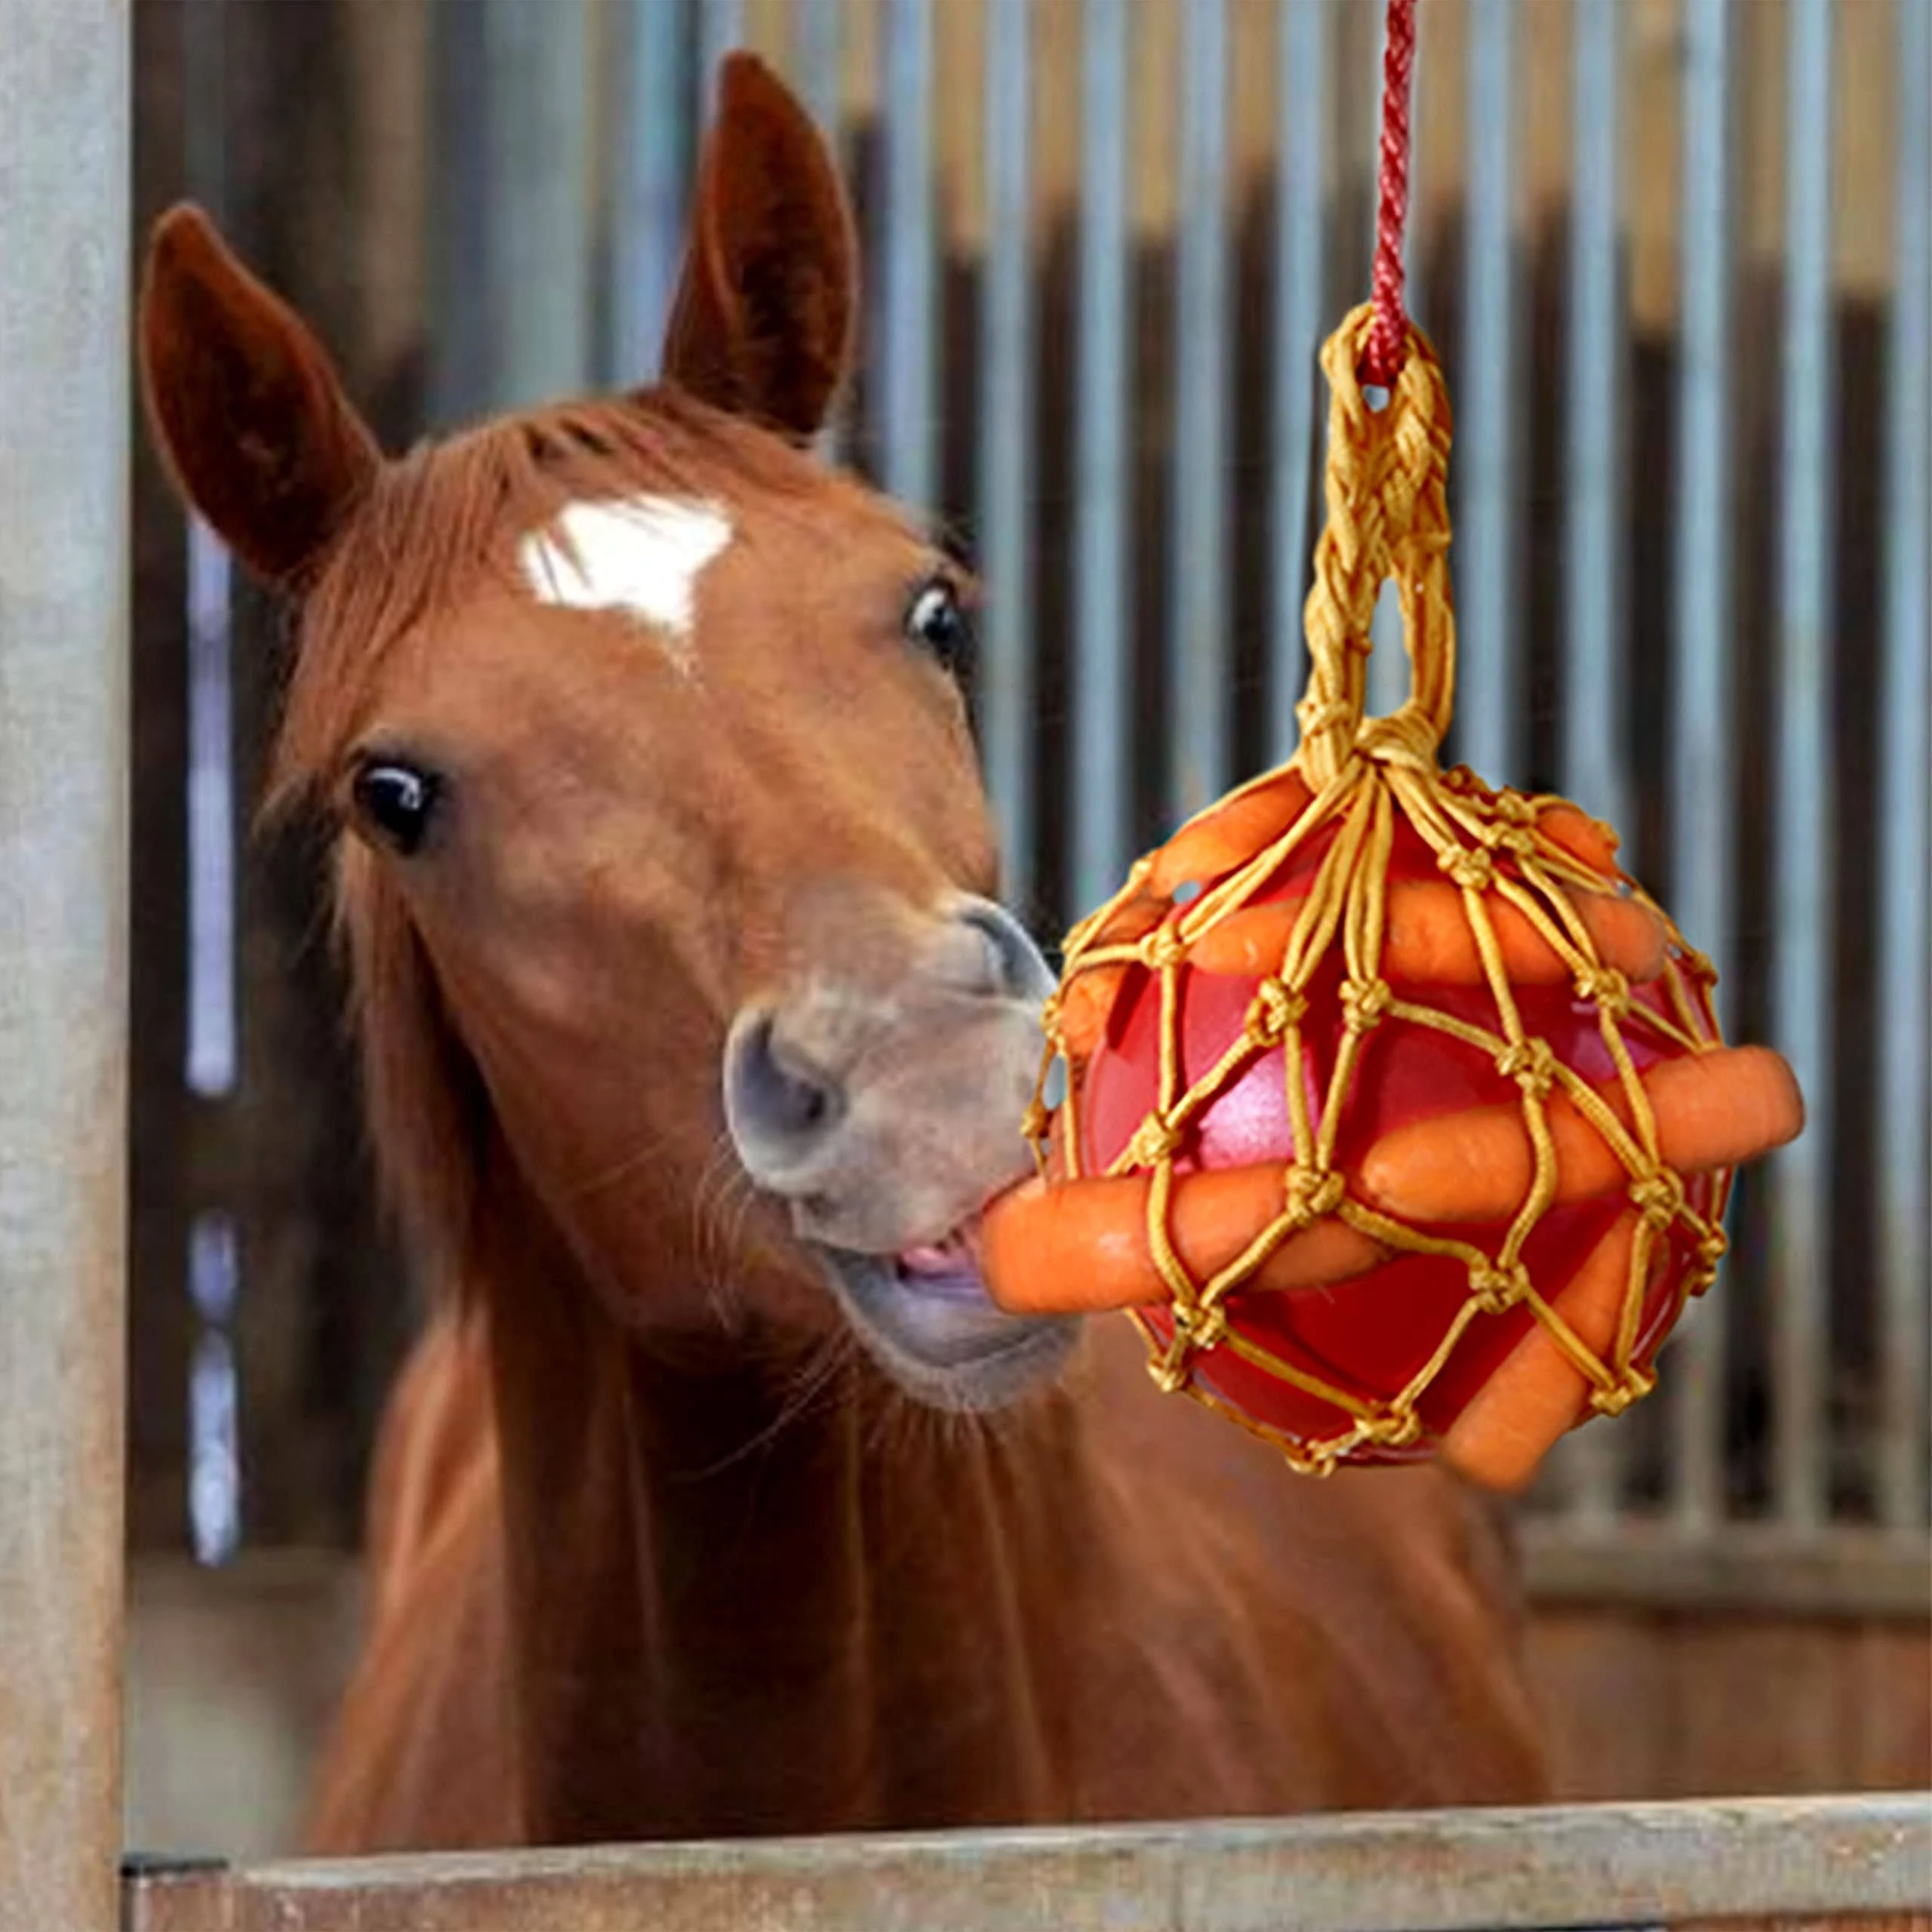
<point>435,526</point>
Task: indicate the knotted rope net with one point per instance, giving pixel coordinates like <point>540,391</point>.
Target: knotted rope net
<point>1376,788</point>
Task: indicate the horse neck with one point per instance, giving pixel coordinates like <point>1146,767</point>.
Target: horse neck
<point>699,1559</point>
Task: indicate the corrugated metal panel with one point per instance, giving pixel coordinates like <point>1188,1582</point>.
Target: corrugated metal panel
<point>537,294</point>
<point>1304,31</point>
<point>1595,749</point>
<point>1703,763</point>
<point>1200,647</point>
<point>1803,836</point>
<point>908,335</point>
<point>1007,508</point>
<point>654,121</point>
<point>1484,480</point>
<point>1904,1135</point>
<point>1101,702</point>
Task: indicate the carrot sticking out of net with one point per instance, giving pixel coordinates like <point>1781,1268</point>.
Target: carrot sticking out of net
<point>1712,1109</point>
<point>1539,1393</point>
<point>1080,1244</point>
<point>1428,940</point>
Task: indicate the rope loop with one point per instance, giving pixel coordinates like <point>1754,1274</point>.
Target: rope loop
<point>1387,517</point>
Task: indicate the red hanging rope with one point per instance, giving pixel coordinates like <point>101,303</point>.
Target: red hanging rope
<point>1387,342</point>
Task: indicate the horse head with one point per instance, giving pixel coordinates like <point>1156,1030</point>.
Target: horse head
<point>663,861</point>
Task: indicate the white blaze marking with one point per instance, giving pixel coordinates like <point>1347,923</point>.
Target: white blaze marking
<point>639,554</point>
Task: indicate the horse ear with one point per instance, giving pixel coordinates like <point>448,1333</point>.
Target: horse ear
<point>245,404</point>
<point>761,324</point>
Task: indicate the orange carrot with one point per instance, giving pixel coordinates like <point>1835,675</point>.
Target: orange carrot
<point>1231,834</point>
<point>1713,1109</point>
<point>1587,840</point>
<point>1426,938</point>
<point>1086,1000</point>
<point>1081,1245</point>
<point>1537,1392</point>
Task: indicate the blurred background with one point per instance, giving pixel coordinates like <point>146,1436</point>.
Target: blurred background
<point>1677,256</point>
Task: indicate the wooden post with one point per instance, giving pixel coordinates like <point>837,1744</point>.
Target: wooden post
<point>63,572</point>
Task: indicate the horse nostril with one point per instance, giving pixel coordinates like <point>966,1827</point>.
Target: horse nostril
<point>1016,969</point>
<point>778,1105</point>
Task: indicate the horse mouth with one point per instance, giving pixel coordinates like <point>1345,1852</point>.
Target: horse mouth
<point>924,1313</point>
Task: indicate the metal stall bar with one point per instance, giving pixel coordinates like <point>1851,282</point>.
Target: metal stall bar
<point>652,126</point>
<point>1802,800</point>
<point>1904,1144</point>
<point>1006,443</point>
<point>64,170</point>
<point>721,28</point>
<point>1305,32</point>
<point>1102,684</point>
<point>536,281</point>
<point>1703,789</point>
<point>818,49</point>
<point>1595,749</point>
<point>817,46</point>
<point>1490,697</point>
<point>907,420</point>
<point>1766,1862</point>
<point>1200,660</point>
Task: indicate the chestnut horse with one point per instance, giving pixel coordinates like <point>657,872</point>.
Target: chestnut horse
<point>718,1499</point>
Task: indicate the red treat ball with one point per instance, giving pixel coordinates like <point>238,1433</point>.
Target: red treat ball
<point>1369,1337</point>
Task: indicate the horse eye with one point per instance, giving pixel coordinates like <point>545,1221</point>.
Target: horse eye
<point>940,622</point>
<point>395,801</point>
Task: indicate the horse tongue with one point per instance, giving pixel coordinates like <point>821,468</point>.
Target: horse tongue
<point>947,1267</point>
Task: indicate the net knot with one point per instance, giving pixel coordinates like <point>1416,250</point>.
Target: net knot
<point>1513,809</point>
<point>1659,1198</point>
<point>1154,1141</point>
<point>1712,1248</point>
<point>1613,1398</point>
<point>1363,1002</point>
<point>1497,1290</point>
<point>1472,869</point>
<point>1531,1064</point>
<point>1204,1326</point>
<point>1311,1194</point>
<point>1607,987</point>
<point>1163,946</point>
<point>1274,1009</point>
<point>1170,1372</point>
<point>1396,1430</point>
<point>1035,1122</point>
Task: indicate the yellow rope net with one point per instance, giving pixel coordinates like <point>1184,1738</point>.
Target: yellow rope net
<point>1387,517</point>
